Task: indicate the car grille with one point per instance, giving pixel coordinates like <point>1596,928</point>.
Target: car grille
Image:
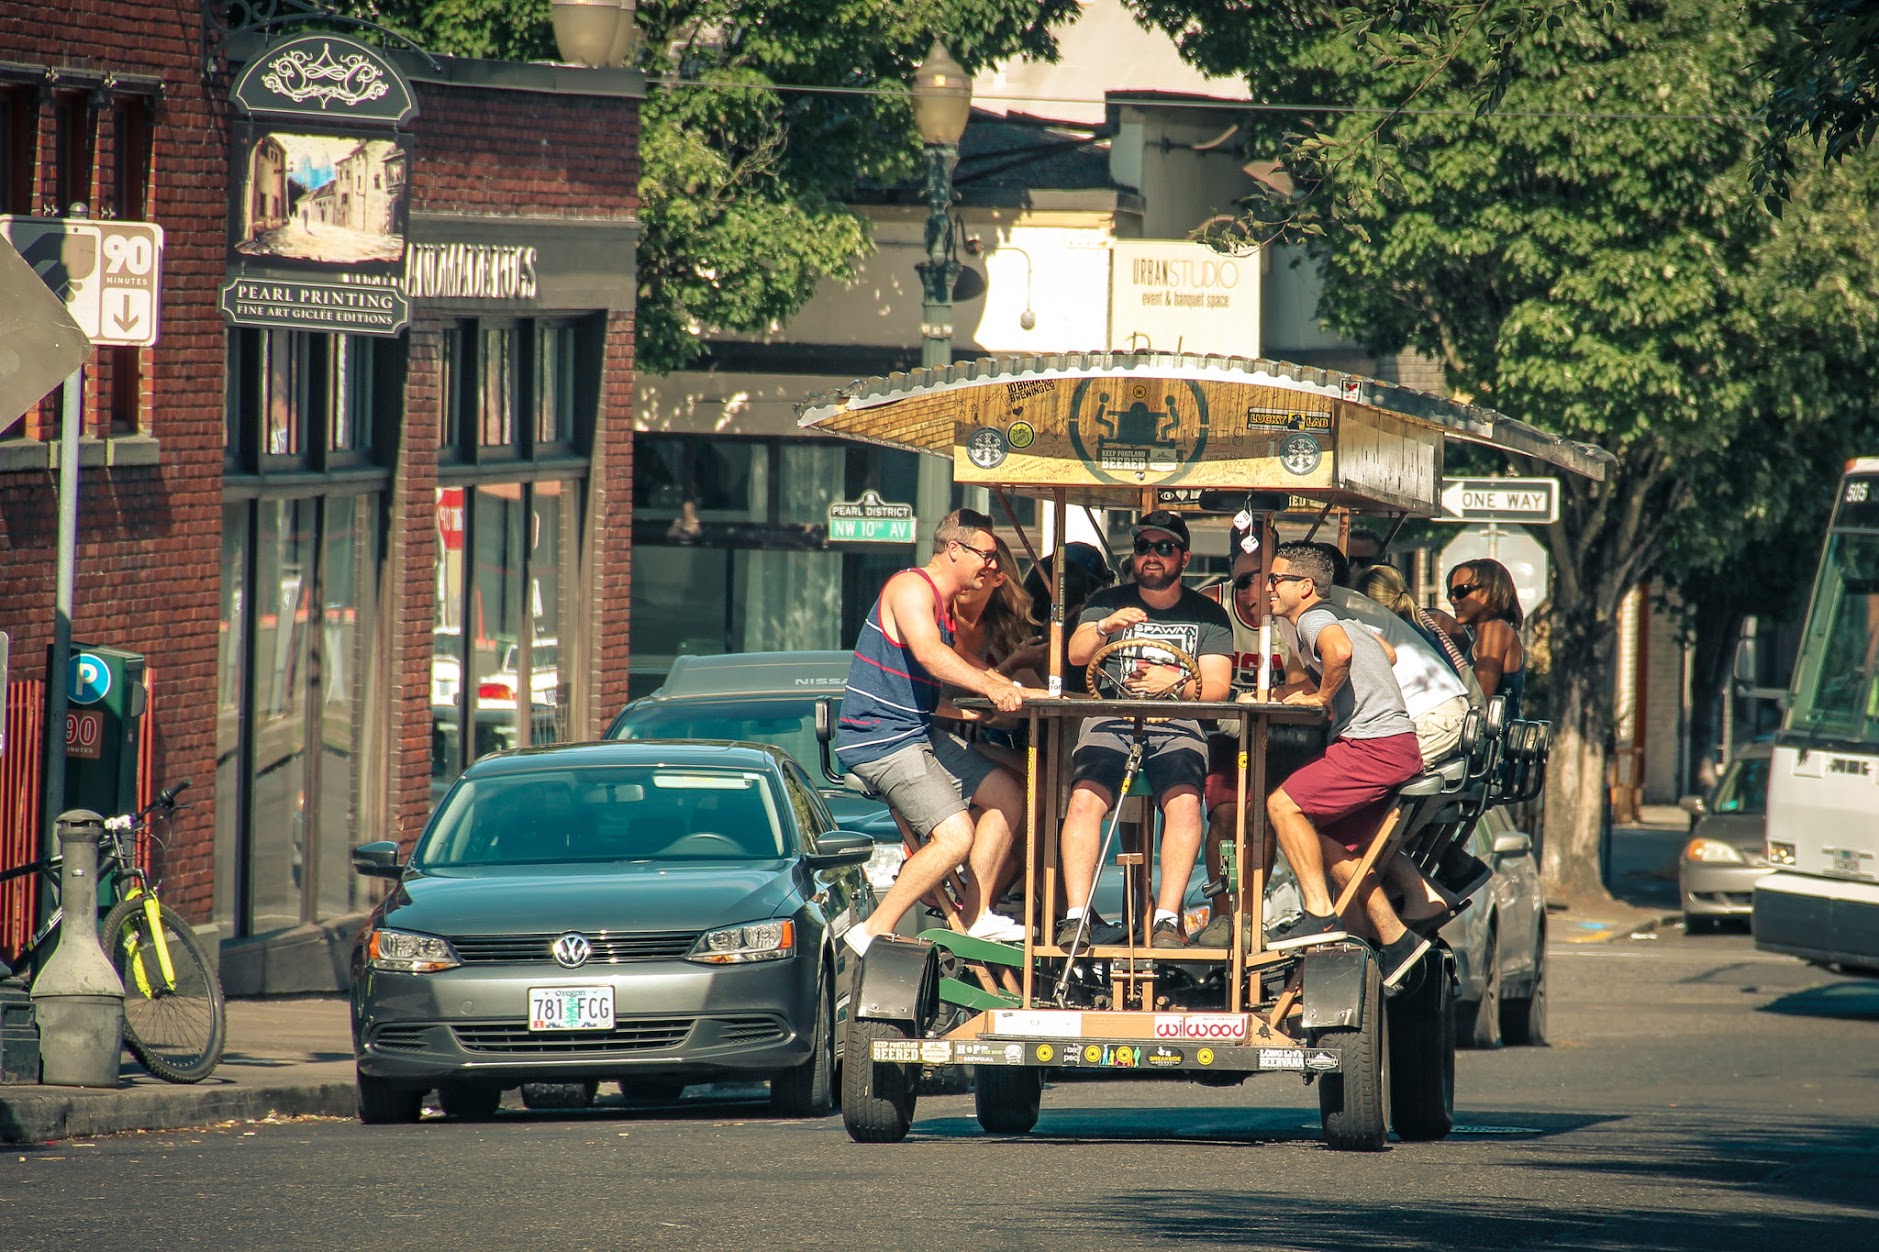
<point>608,948</point>
<point>400,1038</point>
<point>751,1029</point>
<point>645,1034</point>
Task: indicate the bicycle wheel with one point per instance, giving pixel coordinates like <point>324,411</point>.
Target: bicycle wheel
<point>175,1029</point>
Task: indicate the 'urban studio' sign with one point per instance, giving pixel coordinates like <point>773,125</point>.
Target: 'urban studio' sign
<point>320,192</point>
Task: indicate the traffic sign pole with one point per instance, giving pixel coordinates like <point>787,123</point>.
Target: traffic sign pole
<point>60,663</point>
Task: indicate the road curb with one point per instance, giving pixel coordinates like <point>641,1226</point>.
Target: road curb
<point>1608,930</point>
<point>44,1116</point>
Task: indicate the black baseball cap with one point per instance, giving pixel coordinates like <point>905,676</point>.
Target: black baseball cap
<point>1161,519</point>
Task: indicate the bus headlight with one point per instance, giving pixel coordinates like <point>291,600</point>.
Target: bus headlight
<point>1781,854</point>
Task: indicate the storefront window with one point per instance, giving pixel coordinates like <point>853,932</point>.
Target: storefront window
<point>496,395</point>
<point>345,563</point>
<point>230,688</point>
<point>284,555</point>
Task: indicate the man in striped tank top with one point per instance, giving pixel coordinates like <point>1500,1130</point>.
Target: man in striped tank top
<point>904,659</point>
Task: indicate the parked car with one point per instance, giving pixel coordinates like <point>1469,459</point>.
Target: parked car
<point>766,697</point>
<point>1499,940</point>
<point>651,913</point>
<point>1727,850</point>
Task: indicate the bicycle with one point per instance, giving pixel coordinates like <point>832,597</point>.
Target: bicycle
<point>175,1018</point>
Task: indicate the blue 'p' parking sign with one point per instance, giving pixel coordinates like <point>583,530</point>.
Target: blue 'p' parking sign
<point>91,679</point>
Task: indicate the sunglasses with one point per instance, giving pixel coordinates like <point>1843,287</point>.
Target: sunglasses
<point>1245,582</point>
<point>1160,547</point>
<point>1273,580</point>
<point>1461,591</point>
<point>987,556</point>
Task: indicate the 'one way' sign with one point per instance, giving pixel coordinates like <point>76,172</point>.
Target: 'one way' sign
<point>1532,500</point>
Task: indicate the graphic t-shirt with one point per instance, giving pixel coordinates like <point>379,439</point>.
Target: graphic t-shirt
<point>1194,624</point>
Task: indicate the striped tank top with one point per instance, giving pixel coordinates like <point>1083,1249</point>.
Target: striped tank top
<point>890,697</point>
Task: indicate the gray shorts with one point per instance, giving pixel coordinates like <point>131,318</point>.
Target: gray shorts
<point>927,782</point>
<point>1174,754</point>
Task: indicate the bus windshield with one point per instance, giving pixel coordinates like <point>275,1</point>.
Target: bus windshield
<point>1836,685</point>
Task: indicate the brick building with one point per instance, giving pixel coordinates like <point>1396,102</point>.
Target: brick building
<point>353,560</point>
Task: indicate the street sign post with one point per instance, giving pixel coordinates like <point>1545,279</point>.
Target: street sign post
<point>108,273</point>
<point>1534,501</point>
<point>871,520</point>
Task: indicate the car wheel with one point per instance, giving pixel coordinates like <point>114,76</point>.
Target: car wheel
<point>1523,1018</point>
<point>878,1098</point>
<point>808,1089</point>
<point>1481,1024</point>
<point>381,1104</point>
<point>559,1095</point>
<point>1695,924</point>
<point>469,1102</point>
<point>1354,1104</point>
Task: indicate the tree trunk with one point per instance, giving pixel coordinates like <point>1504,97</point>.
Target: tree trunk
<point>1576,789</point>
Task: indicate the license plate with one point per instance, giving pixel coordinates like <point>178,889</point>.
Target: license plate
<point>570,1008</point>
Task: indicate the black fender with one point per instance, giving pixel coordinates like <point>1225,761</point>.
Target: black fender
<point>898,981</point>
<point>1333,977</point>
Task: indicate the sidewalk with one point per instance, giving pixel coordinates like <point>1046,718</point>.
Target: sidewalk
<point>287,1056</point>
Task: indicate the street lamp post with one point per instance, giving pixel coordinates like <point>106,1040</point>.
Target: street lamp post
<point>942,100</point>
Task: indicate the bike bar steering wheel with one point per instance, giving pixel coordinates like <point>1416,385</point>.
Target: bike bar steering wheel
<point>1106,686</point>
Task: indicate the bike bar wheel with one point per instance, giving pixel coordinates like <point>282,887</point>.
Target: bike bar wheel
<point>175,1024</point>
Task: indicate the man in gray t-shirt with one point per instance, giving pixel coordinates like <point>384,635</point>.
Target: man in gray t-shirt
<point>1328,811</point>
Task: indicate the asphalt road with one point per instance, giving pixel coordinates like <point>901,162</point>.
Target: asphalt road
<point>1697,1094</point>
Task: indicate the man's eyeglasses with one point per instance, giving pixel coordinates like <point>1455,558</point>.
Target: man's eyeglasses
<point>1160,547</point>
<point>1461,591</point>
<point>1273,580</point>
<point>987,556</point>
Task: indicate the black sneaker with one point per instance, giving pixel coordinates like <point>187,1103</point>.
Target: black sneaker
<point>1096,932</point>
<point>1168,934</point>
<point>1308,929</point>
<point>1399,957</point>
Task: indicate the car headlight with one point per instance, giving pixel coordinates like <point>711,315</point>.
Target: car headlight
<point>757,941</point>
<point>408,953</point>
<point>884,866</point>
<point>1713,852</point>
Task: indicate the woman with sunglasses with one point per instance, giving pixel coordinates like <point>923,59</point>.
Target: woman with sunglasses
<point>1486,608</point>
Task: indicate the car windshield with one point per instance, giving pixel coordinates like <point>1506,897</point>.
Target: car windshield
<point>787,723</point>
<point>1744,787</point>
<point>607,813</point>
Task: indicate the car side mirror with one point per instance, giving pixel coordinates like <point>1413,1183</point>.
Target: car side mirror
<point>1746,667</point>
<point>377,860</point>
<point>839,848</point>
<point>1513,843</point>
<point>1695,806</point>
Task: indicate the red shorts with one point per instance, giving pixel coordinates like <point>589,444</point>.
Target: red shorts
<point>1348,791</point>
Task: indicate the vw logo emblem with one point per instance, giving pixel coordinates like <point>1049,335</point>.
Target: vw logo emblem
<point>572,949</point>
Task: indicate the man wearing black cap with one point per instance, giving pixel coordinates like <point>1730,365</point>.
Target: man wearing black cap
<point>1155,607</point>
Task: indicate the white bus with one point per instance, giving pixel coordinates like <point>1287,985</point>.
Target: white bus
<point>1821,902</point>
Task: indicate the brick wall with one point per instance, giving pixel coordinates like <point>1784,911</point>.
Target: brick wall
<point>149,539</point>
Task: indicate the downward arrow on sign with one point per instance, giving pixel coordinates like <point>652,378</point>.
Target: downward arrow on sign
<point>122,315</point>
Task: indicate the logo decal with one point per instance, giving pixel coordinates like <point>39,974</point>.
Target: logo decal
<point>1092,1052</point>
<point>986,447</point>
<point>1281,1058</point>
<point>1228,1026</point>
<point>572,950</point>
<point>1321,1060</point>
<point>1045,1052</point>
<point>1126,431</point>
<point>1164,1057</point>
<point>1205,1056</point>
<point>1300,453</point>
<point>1021,435</point>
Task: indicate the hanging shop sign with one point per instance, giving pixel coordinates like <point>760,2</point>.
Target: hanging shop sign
<point>320,193</point>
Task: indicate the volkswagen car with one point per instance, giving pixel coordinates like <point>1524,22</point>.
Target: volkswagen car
<point>1727,851</point>
<point>653,913</point>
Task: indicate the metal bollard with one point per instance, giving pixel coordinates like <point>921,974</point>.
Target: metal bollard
<point>78,997</point>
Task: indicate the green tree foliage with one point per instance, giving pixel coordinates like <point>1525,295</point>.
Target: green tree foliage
<point>1823,68</point>
<point>743,174</point>
<point>1554,200</point>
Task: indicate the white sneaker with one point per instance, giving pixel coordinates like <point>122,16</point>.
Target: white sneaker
<point>857,938</point>
<point>997,927</point>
